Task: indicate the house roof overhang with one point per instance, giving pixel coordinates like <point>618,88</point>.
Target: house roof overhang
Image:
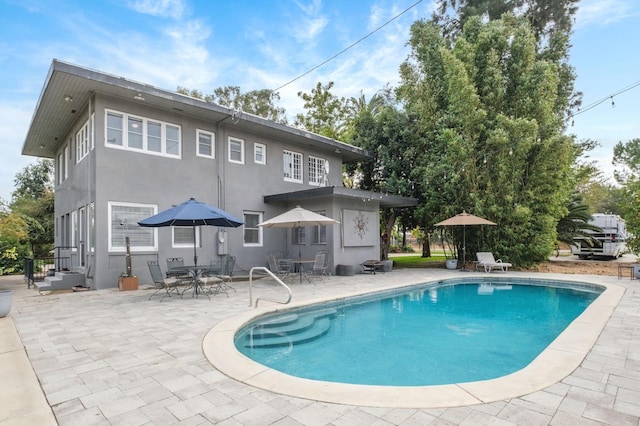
<point>68,89</point>
<point>385,200</point>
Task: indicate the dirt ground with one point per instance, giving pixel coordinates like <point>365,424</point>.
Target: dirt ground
<point>571,265</point>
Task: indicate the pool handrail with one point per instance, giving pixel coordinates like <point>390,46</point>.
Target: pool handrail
<point>278,280</point>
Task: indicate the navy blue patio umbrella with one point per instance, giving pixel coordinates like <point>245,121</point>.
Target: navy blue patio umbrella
<point>192,213</point>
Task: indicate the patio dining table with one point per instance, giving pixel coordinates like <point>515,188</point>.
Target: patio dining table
<point>195,272</point>
<point>299,264</point>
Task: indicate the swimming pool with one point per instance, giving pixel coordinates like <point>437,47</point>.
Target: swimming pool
<point>558,360</point>
<point>428,335</point>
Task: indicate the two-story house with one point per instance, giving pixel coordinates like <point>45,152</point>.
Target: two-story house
<point>125,150</point>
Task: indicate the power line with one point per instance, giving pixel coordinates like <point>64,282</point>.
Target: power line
<point>596,103</point>
<point>350,46</point>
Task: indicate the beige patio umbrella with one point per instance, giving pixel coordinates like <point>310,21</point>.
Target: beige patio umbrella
<point>296,218</point>
<point>464,219</point>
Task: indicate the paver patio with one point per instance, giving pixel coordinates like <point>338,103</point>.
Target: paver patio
<point>111,357</point>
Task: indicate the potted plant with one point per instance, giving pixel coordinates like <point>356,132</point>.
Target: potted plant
<point>6,297</point>
<point>451,258</point>
<point>128,281</point>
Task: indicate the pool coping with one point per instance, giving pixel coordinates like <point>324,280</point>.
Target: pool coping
<point>555,363</point>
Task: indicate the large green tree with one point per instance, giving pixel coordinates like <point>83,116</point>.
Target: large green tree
<point>545,16</point>
<point>325,113</point>
<point>626,158</point>
<point>257,102</point>
<point>488,113</point>
<point>384,132</point>
<point>33,202</point>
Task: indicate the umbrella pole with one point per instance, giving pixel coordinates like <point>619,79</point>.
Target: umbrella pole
<point>195,254</point>
<point>464,248</point>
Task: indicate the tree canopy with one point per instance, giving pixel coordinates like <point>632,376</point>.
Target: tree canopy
<point>626,158</point>
<point>258,102</point>
<point>488,113</point>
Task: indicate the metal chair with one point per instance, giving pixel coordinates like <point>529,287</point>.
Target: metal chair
<point>172,262</point>
<point>215,275</point>
<point>162,283</point>
<point>280,268</point>
<point>326,262</point>
<point>318,269</point>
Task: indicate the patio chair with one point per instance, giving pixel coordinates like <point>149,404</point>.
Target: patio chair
<point>280,268</point>
<point>227,273</point>
<point>169,285</point>
<point>211,276</point>
<point>486,260</point>
<point>326,262</point>
<point>172,262</point>
<point>318,269</point>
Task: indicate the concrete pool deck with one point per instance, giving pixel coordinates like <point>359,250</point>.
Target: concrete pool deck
<point>111,357</point>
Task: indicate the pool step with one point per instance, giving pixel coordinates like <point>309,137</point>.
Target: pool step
<point>285,332</point>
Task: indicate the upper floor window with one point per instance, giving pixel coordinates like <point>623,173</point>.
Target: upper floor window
<point>236,150</point>
<point>252,232</point>
<point>60,168</point>
<point>259,153</point>
<point>123,223</point>
<point>318,171</point>
<point>142,134</point>
<point>82,142</point>
<point>292,166</point>
<point>206,144</point>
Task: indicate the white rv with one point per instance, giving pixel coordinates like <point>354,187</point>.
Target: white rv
<point>612,238</point>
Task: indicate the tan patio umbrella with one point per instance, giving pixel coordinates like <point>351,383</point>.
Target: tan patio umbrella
<point>464,219</point>
<point>297,217</point>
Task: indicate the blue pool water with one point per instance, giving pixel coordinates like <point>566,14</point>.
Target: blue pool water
<point>429,335</point>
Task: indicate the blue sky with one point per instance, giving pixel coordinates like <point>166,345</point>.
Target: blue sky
<point>264,44</point>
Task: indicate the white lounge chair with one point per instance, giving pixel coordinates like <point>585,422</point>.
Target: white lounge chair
<point>487,261</point>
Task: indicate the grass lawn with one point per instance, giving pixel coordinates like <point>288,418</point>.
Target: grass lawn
<point>417,261</point>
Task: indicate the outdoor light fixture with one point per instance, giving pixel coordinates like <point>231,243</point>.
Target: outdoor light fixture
<point>139,97</point>
<point>68,98</point>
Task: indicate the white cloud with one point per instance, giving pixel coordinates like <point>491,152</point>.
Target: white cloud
<point>174,9</point>
<point>601,12</point>
<point>311,8</point>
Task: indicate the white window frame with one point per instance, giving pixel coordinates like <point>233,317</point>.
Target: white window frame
<point>299,236</point>
<point>74,231</point>
<point>82,142</point>
<point>92,135</point>
<point>318,169</point>
<point>231,140</point>
<point>292,163</point>
<point>212,137</point>
<point>67,160</point>
<point>319,232</point>
<point>132,228</point>
<point>92,227</point>
<point>60,169</point>
<point>257,228</point>
<point>185,245</point>
<point>124,135</point>
<point>259,147</point>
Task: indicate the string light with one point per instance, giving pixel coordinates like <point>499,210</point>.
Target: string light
<point>596,103</point>
<point>350,46</point>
